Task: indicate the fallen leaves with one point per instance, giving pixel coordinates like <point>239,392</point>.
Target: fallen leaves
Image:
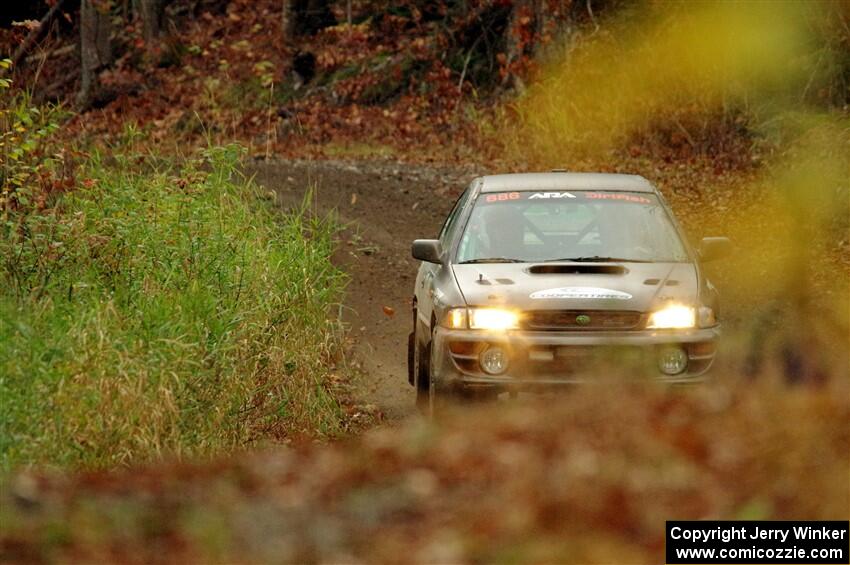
<point>382,79</point>
<point>586,477</point>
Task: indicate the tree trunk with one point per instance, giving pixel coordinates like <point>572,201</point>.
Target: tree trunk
<point>306,17</point>
<point>524,15</point>
<point>150,12</point>
<point>288,20</point>
<point>95,50</point>
<point>300,18</point>
<point>530,19</point>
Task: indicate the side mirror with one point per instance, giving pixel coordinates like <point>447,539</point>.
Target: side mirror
<point>428,250</point>
<point>712,248</point>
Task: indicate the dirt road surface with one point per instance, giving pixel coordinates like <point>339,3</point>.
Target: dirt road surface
<point>384,206</point>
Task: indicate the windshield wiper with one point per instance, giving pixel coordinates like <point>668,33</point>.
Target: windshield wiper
<point>491,260</point>
<point>597,259</point>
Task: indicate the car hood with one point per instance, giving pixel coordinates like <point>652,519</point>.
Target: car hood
<point>574,286</point>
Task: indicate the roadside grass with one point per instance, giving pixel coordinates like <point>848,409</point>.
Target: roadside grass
<point>163,309</point>
<point>359,150</point>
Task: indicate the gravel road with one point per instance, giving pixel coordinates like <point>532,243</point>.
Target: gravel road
<point>384,206</point>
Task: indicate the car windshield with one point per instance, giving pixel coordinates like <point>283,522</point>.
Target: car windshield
<point>576,226</point>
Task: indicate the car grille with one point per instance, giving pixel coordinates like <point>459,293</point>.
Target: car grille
<point>581,320</point>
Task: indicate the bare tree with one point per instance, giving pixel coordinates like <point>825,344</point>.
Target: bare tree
<point>150,13</point>
<point>36,33</point>
<point>300,18</point>
<point>536,16</point>
<point>305,17</point>
<point>288,20</point>
<point>95,49</point>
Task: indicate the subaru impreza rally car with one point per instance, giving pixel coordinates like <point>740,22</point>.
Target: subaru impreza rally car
<point>535,277</point>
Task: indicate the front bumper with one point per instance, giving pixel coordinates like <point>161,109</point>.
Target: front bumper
<point>551,358</point>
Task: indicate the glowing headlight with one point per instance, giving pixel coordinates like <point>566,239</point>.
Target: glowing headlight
<point>674,316</point>
<point>492,319</point>
<point>481,319</point>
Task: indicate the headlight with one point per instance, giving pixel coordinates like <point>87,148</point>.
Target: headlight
<point>674,316</point>
<point>481,319</point>
<point>456,318</point>
<point>492,319</point>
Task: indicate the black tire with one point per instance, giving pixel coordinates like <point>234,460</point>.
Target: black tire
<point>420,372</point>
<point>411,351</point>
<point>439,397</point>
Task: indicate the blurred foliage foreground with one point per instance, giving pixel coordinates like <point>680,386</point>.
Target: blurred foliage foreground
<point>155,308</point>
<point>589,478</point>
<point>738,111</point>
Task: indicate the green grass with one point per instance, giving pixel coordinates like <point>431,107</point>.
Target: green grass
<point>159,309</point>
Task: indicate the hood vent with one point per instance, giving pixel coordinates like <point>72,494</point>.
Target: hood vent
<point>577,270</point>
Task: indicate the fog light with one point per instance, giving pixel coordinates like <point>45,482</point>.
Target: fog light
<point>494,360</point>
<point>672,360</point>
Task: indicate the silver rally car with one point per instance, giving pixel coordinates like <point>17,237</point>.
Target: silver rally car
<point>537,277</point>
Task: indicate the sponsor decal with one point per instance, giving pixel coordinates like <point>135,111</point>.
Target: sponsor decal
<point>546,195</point>
<point>628,197</point>
<point>502,196</point>
<point>586,292</point>
<point>624,197</point>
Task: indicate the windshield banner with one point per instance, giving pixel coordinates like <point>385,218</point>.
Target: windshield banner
<point>572,196</point>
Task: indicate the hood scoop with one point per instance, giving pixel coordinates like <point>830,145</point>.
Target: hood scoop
<point>561,269</point>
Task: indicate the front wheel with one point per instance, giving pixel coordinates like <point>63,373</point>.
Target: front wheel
<point>421,374</point>
<point>439,396</point>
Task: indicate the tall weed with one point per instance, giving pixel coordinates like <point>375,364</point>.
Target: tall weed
<point>165,309</point>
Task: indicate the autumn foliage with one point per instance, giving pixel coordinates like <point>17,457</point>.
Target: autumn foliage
<point>592,481</point>
<point>738,115</point>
